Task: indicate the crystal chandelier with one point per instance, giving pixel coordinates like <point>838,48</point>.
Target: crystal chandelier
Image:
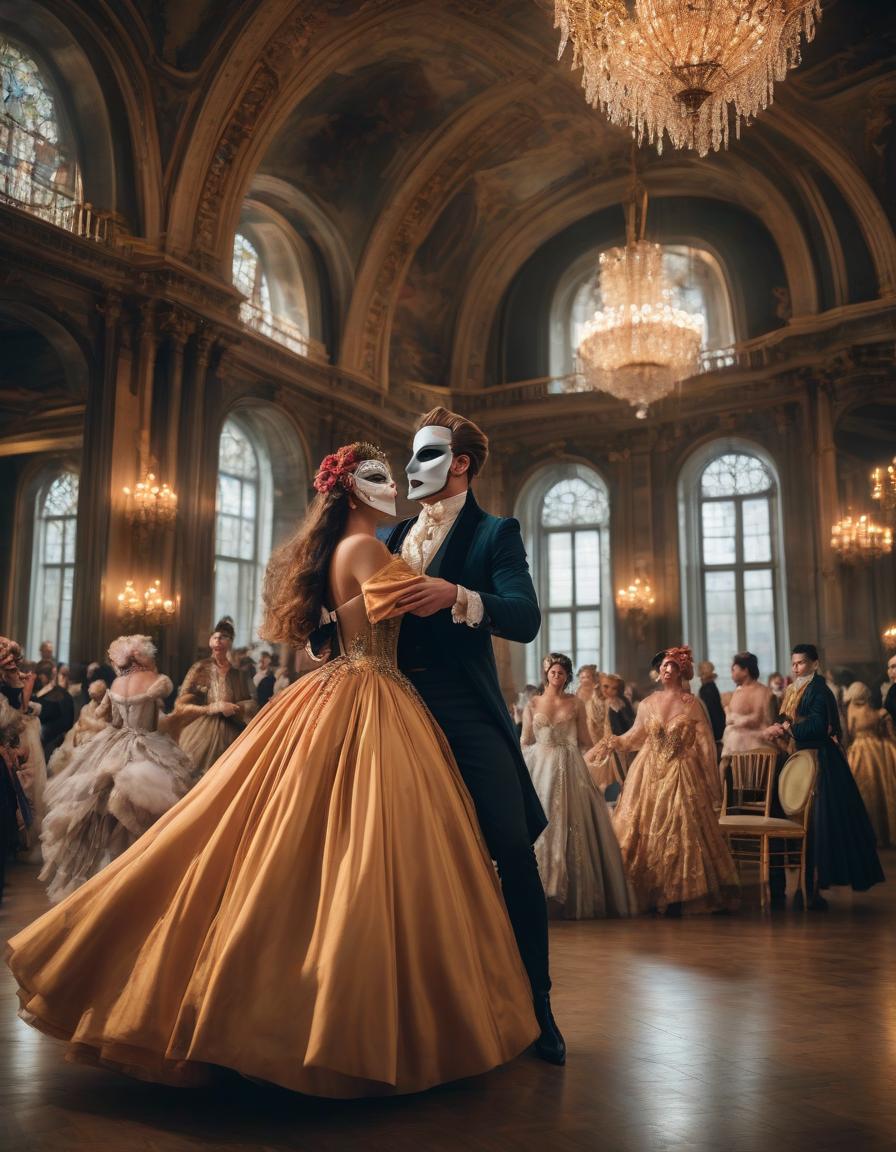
<point>639,344</point>
<point>883,488</point>
<point>150,503</point>
<point>673,67</point>
<point>147,609</point>
<point>855,539</point>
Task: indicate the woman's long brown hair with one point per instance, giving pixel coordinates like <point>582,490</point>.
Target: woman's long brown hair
<point>295,583</point>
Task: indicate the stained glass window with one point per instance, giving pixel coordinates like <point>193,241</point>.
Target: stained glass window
<point>241,529</point>
<point>55,524</point>
<point>572,567</point>
<point>738,560</point>
<point>37,172</point>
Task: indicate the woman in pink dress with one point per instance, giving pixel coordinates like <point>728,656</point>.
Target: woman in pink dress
<point>750,710</point>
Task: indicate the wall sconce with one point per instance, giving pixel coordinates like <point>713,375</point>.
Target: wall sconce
<point>635,603</point>
<point>889,638</point>
<point>147,609</point>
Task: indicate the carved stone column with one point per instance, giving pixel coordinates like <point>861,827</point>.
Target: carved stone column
<point>179,329</point>
<point>824,471</point>
<point>94,504</point>
<point>144,372</point>
<point>192,574</point>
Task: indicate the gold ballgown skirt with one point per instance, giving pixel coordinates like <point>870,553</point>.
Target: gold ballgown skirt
<point>319,912</point>
<point>672,847</point>
<point>872,758</point>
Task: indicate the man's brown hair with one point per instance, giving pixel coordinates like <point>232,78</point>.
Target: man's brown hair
<point>467,438</point>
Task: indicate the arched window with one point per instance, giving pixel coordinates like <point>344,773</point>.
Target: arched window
<point>243,527</point>
<point>566,517</point>
<point>53,572</point>
<point>698,282</point>
<point>38,169</point>
<point>733,558</point>
<point>269,273</point>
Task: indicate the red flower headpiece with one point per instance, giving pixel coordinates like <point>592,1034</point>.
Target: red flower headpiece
<point>683,659</point>
<point>337,468</point>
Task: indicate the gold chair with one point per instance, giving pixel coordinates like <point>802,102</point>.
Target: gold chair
<point>752,775</point>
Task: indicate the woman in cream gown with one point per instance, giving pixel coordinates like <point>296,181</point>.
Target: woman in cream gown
<point>120,781</point>
<point>320,911</point>
<point>673,851</point>
<point>872,758</point>
<point>578,854</point>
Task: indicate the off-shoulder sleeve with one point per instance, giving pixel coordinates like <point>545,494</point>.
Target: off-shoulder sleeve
<point>386,587</point>
<point>162,688</point>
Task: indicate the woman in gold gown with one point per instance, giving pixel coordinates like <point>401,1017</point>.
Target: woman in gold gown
<point>215,702</point>
<point>320,911</point>
<point>872,758</point>
<point>667,818</point>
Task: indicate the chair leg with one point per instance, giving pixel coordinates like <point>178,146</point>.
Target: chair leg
<point>803,873</point>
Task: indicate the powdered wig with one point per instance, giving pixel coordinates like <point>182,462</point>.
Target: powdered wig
<point>857,693</point>
<point>295,583</point>
<point>129,651</point>
<point>96,690</point>
<point>683,659</point>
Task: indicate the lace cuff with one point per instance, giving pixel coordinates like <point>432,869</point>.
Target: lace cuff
<point>468,608</point>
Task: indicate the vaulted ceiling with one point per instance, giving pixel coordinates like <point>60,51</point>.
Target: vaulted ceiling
<point>431,152</point>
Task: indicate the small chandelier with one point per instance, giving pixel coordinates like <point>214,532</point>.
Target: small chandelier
<point>889,638</point>
<point>639,344</point>
<point>638,597</point>
<point>635,603</point>
<point>150,503</point>
<point>673,67</point>
<point>883,488</point>
<point>147,609</point>
<point>856,539</point>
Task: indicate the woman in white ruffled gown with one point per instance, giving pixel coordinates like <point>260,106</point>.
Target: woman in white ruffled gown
<point>578,853</point>
<point>115,786</point>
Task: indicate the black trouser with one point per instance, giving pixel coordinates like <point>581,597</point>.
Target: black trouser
<point>491,776</point>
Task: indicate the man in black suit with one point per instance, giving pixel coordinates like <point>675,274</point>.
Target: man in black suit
<point>477,585</point>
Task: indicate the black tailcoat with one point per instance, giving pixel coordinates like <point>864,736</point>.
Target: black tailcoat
<point>485,554</point>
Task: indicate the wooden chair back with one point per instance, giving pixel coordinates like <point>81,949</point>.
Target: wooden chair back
<point>749,780</point>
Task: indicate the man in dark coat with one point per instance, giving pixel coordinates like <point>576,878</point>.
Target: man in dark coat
<point>890,698</point>
<point>477,585</point>
<point>841,849</point>
<point>712,700</point>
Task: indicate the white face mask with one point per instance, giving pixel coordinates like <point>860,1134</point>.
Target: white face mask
<point>429,466</point>
<point>374,486</point>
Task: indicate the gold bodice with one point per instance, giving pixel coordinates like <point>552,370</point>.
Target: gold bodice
<point>671,739</point>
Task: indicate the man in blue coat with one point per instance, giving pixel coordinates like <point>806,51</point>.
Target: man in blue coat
<point>477,585</point>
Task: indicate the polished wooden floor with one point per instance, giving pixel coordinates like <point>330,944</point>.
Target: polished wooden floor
<point>719,1034</point>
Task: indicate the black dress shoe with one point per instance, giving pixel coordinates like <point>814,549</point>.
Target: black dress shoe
<point>550,1045</point>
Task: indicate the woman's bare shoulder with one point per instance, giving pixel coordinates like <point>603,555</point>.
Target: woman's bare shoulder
<point>355,559</point>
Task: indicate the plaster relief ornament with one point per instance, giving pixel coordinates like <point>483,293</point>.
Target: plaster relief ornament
<point>427,470</point>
